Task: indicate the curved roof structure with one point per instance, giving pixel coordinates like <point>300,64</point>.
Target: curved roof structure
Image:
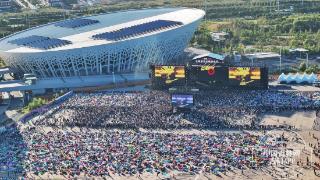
<point>211,55</point>
<point>121,42</point>
<point>83,32</point>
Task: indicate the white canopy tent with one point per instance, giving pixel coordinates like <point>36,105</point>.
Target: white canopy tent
<point>297,78</point>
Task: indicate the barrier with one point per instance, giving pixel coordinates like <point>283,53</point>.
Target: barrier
<point>10,175</point>
<point>46,107</point>
<point>3,129</point>
<point>316,124</point>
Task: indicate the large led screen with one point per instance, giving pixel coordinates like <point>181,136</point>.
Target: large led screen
<point>182,101</point>
<point>170,74</point>
<point>244,76</point>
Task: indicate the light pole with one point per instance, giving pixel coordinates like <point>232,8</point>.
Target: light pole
<point>307,60</point>
<point>280,59</point>
<point>114,79</point>
<point>254,56</point>
<point>205,10</point>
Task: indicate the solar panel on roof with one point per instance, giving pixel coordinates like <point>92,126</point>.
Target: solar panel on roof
<point>49,44</point>
<point>136,30</point>
<point>76,23</point>
<point>40,42</point>
<point>28,40</point>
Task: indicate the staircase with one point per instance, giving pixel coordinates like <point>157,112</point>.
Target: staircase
<point>25,4</point>
<point>19,3</point>
<point>31,6</point>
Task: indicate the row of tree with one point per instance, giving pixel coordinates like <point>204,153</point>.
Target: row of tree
<point>34,104</point>
<point>314,68</point>
<point>263,34</point>
<point>12,22</point>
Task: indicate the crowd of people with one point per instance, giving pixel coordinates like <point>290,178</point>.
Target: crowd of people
<point>120,110</point>
<point>92,152</point>
<point>108,139</point>
<point>153,109</point>
<point>242,108</point>
<point>12,151</point>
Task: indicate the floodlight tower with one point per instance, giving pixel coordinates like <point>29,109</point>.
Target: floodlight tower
<point>205,9</point>
<point>270,5</point>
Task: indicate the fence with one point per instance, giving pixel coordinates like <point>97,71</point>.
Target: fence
<point>46,107</point>
<point>10,174</point>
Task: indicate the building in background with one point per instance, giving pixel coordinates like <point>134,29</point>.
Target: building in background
<point>119,43</point>
<point>219,36</point>
<point>5,4</point>
<point>55,3</point>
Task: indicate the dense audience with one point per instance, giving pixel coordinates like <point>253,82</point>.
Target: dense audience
<point>104,153</point>
<point>219,109</point>
<point>127,150</point>
<point>113,110</point>
<point>12,151</point>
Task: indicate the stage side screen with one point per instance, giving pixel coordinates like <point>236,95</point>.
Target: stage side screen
<point>182,100</point>
<point>169,76</point>
<point>245,76</point>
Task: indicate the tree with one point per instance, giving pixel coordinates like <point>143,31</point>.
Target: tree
<point>313,69</point>
<point>35,103</point>
<point>2,64</point>
<point>303,67</point>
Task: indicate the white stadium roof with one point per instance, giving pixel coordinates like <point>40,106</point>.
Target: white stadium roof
<point>82,37</point>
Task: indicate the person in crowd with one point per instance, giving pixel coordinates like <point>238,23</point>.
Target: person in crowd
<point>153,110</point>
<point>98,152</point>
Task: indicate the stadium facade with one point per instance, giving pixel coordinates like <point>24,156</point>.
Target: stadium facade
<point>115,43</point>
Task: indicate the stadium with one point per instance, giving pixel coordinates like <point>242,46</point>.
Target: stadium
<point>106,44</point>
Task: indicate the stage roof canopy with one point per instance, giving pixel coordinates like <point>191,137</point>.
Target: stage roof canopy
<point>211,55</point>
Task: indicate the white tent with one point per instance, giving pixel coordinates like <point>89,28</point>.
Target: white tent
<point>297,78</point>
<point>291,78</point>
<point>305,78</point>
<point>313,78</point>
<point>282,78</point>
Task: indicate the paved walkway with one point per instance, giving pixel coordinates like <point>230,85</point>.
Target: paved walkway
<point>15,105</point>
<point>9,108</point>
<point>287,87</point>
<point>316,125</point>
<point>3,107</point>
